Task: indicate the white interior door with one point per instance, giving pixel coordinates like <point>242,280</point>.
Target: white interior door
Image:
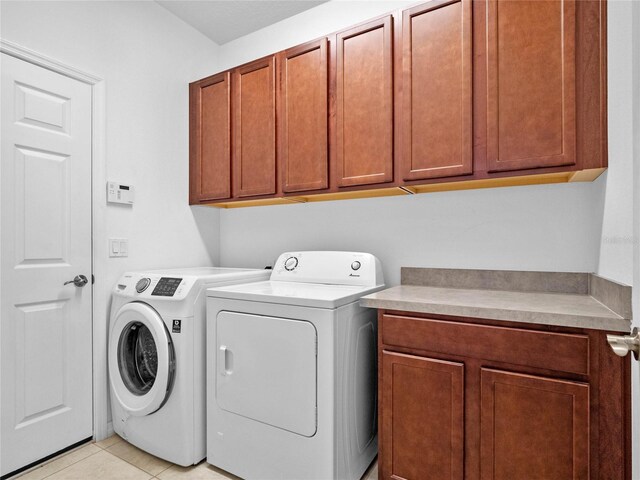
<point>266,370</point>
<point>45,235</point>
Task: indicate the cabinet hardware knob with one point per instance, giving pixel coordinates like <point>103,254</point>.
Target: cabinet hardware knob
<point>623,344</point>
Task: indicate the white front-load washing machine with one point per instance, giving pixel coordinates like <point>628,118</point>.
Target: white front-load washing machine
<point>156,356</point>
<point>291,370</point>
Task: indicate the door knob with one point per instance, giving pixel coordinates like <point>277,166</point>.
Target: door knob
<point>78,281</point>
<point>623,344</point>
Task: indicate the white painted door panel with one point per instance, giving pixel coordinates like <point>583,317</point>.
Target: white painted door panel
<point>266,370</point>
<point>45,235</point>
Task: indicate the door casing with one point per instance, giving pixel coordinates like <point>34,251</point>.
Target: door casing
<point>98,224</point>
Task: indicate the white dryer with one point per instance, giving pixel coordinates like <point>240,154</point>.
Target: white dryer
<point>291,370</point>
<point>156,356</point>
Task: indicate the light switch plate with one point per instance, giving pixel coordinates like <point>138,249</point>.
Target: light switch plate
<point>118,247</point>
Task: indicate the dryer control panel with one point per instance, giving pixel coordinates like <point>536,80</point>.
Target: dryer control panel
<point>334,268</point>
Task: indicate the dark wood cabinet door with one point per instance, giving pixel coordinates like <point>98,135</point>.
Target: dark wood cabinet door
<point>436,89</point>
<point>210,139</point>
<point>531,88</point>
<point>254,129</point>
<point>422,418</point>
<point>303,129</point>
<point>533,427</point>
<point>364,104</point>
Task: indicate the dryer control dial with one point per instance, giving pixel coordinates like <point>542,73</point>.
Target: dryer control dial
<point>142,284</point>
<point>356,265</point>
<point>290,263</point>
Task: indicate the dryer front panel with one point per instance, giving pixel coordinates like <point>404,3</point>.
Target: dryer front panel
<point>266,370</point>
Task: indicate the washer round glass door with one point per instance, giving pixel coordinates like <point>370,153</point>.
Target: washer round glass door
<point>141,359</point>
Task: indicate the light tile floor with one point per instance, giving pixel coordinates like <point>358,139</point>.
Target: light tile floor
<point>115,459</point>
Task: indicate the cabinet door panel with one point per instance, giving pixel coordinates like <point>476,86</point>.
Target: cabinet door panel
<point>422,418</point>
<point>437,77</point>
<point>364,104</point>
<point>254,124</point>
<point>531,108</point>
<point>210,165</point>
<point>303,107</point>
<point>533,427</point>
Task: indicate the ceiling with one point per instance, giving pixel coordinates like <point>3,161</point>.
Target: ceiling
<point>223,21</point>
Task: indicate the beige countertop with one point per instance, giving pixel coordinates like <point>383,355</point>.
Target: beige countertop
<point>559,309</point>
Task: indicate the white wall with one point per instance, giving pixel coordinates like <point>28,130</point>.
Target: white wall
<point>635,366</point>
<point>529,228</point>
<point>548,227</point>
<point>327,18</point>
<point>147,57</point>
<point>616,250</point>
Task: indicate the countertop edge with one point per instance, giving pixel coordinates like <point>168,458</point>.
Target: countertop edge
<point>519,316</point>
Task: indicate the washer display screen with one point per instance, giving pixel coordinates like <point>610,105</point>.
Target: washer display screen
<point>166,287</point>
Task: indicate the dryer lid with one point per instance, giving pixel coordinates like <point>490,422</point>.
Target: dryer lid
<point>292,293</point>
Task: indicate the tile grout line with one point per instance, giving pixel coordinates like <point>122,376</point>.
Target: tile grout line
<point>135,466</point>
<point>58,471</point>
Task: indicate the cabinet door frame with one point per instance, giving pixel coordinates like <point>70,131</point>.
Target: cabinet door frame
<point>265,62</point>
<point>569,106</point>
<point>466,165</point>
<point>386,23</point>
<point>385,393</point>
<point>283,117</point>
<point>196,195</point>
<point>581,425</point>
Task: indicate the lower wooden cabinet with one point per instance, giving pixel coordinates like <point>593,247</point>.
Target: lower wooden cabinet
<point>424,417</point>
<point>533,427</point>
<point>479,400</point>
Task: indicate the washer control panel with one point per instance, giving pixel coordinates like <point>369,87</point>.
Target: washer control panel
<point>166,287</point>
<point>150,285</point>
<point>143,284</point>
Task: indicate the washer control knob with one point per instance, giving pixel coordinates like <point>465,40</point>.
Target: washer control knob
<point>142,284</point>
<point>290,263</point>
<point>356,265</point>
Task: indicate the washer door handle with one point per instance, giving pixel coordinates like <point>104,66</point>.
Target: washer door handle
<point>225,360</point>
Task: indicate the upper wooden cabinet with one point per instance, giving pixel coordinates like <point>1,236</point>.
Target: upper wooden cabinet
<point>254,129</point>
<point>446,95</point>
<point>364,104</point>
<point>436,86</point>
<point>210,138</point>
<point>303,103</point>
<point>531,84</point>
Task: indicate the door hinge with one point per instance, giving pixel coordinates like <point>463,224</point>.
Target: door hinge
<point>93,279</point>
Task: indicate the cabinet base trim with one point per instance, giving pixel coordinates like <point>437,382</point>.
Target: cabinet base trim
<point>536,179</point>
